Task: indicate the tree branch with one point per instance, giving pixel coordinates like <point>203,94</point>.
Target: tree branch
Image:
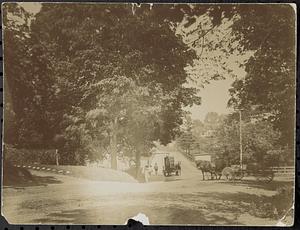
<point>201,36</point>
<point>265,39</point>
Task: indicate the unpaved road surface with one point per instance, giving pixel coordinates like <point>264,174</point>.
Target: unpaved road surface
<point>179,200</point>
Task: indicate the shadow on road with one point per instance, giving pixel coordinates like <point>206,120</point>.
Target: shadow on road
<point>33,181</point>
<point>169,179</point>
<point>261,206</point>
<point>172,215</point>
<point>70,216</point>
<point>271,186</point>
<point>14,177</point>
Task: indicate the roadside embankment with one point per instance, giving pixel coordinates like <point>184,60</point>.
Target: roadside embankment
<point>90,173</point>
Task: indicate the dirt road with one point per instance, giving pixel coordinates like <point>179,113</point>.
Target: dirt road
<point>181,200</point>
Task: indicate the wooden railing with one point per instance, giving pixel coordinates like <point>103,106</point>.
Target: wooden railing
<point>286,172</point>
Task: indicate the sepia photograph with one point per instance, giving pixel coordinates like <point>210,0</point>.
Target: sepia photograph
<point>167,114</point>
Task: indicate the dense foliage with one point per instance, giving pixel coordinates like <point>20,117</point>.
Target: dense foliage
<point>98,72</point>
<point>266,95</point>
<point>269,85</point>
<point>221,139</point>
<point>111,78</point>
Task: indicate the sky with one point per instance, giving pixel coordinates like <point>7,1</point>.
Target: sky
<point>214,98</point>
<point>215,95</point>
<point>32,7</point>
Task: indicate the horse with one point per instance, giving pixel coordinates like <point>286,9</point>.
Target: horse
<point>215,169</point>
<point>205,167</point>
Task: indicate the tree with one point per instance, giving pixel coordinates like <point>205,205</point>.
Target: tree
<point>265,47</point>
<point>69,52</point>
<point>127,112</point>
<point>15,22</point>
<point>30,100</point>
<point>108,46</point>
<point>187,141</point>
<point>260,140</point>
<point>75,50</point>
<point>270,81</point>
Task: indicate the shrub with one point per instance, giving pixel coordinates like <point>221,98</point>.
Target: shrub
<point>29,156</point>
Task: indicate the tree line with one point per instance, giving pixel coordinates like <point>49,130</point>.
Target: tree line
<point>90,78</point>
<point>220,137</point>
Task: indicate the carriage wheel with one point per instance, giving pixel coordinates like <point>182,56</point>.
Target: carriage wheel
<point>165,174</point>
<point>239,175</point>
<point>271,177</point>
<point>265,176</point>
<point>228,173</point>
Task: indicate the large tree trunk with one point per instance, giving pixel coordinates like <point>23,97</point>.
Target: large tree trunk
<point>113,144</point>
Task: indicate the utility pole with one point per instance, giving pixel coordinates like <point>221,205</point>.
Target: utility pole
<point>113,143</point>
<point>241,141</point>
<point>56,156</point>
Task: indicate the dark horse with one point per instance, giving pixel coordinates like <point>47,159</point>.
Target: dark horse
<point>215,169</point>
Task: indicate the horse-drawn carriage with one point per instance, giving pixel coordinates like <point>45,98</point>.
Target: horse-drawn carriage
<point>236,172</point>
<point>170,167</point>
<point>218,169</point>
